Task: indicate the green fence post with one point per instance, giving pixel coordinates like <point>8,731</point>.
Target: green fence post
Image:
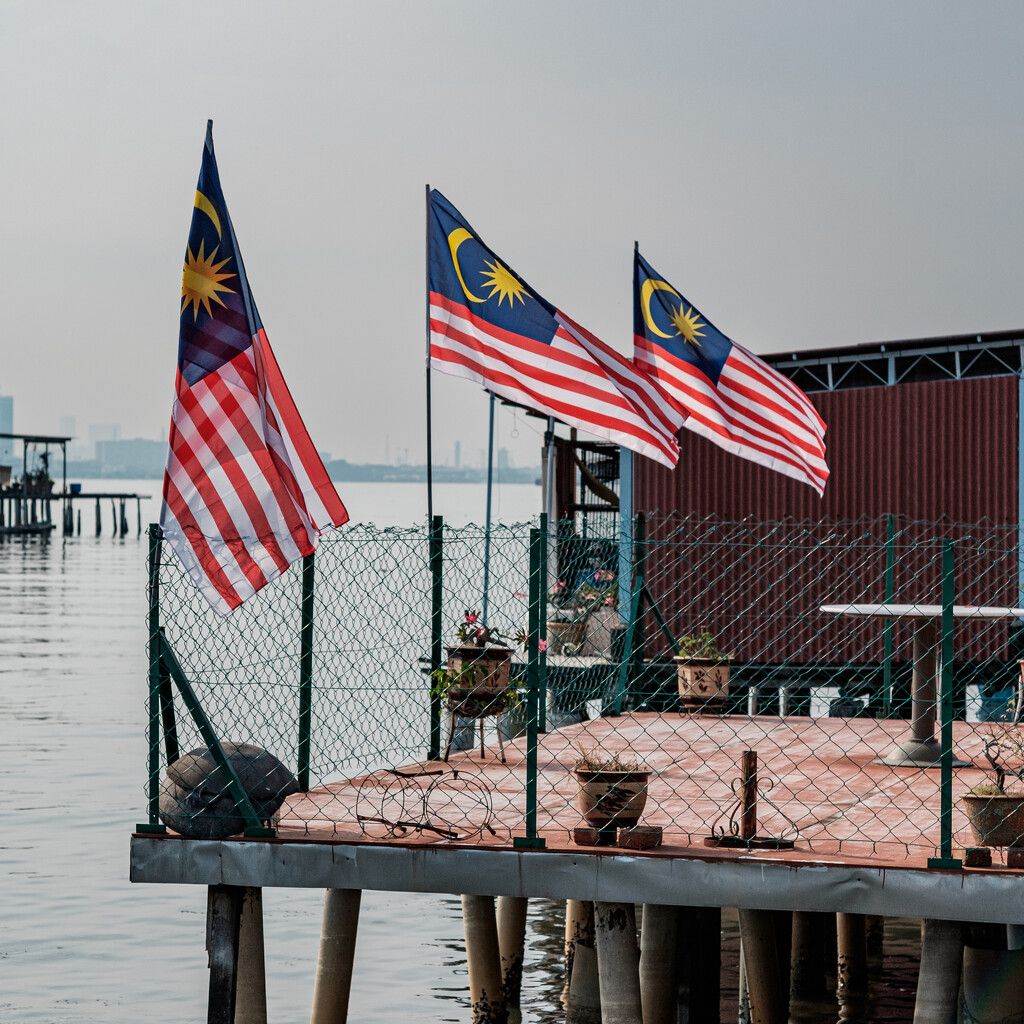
<point>890,593</point>
<point>538,578</point>
<point>436,597</point>
<point>155,679</point>
<point>542,631</point>
<point>946,858</point>
<point>306,670</point>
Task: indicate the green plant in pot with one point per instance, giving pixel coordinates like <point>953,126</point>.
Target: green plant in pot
<point>612,791</point>
<point>476,681</point>
<point>996,808</point>
<point>703,670</point>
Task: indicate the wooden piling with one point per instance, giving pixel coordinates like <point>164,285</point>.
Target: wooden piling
<point>618,963</point>
<point>333,986</point>
<point>659,937</point>
<point>764,968</point>
<point>511,921</point>
<point>484,960</point>
<point>938,980</point>
<point>223,916</point>
<point>251,989</point>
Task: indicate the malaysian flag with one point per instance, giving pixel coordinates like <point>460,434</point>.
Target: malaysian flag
<point>489,326</point>
<point>734,399</point>
<point>245,492</point>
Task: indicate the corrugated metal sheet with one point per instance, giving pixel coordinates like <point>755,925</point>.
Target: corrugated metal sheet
<point>945,448</point>
<point>938,452</point>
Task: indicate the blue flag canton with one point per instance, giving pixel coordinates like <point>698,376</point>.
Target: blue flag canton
<point>467,273</point>
<point>214,325</point>
<point>664,318</point>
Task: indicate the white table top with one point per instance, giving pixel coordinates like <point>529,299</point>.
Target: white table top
<point>924,611</point>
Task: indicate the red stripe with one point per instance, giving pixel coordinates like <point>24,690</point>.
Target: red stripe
<point>297,433</point>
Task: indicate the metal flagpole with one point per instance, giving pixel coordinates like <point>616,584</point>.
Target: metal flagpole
<point>430,459</point>
<point>550,505</point>
<point>487,526</point>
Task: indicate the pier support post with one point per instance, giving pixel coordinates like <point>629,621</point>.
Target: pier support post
<point>251,989</point>
<point>938,981</point>
<point>807,984</point>
<point>223,916</point>
<point>582,994</point>
<point>993,986</point>
<point>333,985</point>
<point>851,965</point>
<point>511,917</point>
<point>699,965</point>
<point>484,959</point>
<point>659,938</point>
<point>618,963</point>
<point>764,969</point>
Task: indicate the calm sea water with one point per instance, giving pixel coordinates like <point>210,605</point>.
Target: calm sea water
<point>78,942</point>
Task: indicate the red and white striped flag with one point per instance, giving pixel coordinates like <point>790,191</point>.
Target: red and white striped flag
<point>732,398</point>
<point>245,491</point>
<point>489,326</point>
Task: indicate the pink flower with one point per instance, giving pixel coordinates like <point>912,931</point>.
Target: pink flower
<point>542,645</point>
<point>609,600</point>
<point>560,585</point>
<point>471,617</point>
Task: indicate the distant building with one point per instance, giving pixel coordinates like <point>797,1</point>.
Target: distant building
<point>102,432</point>
<point>6,427</point>
<point>134,457</point>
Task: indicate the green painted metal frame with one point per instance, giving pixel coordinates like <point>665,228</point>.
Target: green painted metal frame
<point>538,547</point>
<point>306,671</point>
<point>890,593</point>
<point>254,827</point>
<point>946,858</point>
<point>156,677</point>
<point>436,560</point>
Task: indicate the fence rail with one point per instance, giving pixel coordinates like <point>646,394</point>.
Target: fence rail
<point>338,670</point>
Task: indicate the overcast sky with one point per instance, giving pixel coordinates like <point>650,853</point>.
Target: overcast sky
<point>807,173</point>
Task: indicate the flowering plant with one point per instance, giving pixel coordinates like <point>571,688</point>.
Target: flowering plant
<point>702,646</point>
<point>599,589</point>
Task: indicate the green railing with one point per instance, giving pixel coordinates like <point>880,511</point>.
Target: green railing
<point>331,669</point>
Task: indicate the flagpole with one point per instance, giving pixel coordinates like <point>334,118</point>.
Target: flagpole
<point>487,526</point>
<point>430,459</point>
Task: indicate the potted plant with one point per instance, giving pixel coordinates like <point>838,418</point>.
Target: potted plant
<point>702,669</point>
<point>612,791</point>
<point>996,808</point>
<point>476,681</point>
<point>568,625</point>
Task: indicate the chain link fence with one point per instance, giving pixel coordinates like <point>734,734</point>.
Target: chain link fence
<point>834,686</point>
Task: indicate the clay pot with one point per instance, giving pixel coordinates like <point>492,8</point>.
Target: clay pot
<point>702,680</point>
<point>611,800</point>
<point>996,820</point>
<point>486,693</point>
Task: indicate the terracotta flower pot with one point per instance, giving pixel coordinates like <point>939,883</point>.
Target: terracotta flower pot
<point>611,800</point>
<point>702,680</point>
<point>482,675</point>
<point>566,637</point>
<point>996,820</point>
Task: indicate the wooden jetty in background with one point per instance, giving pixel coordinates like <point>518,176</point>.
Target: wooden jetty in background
<point>27,504</point>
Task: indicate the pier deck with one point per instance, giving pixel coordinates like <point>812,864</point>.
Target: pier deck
<point>865,830</point>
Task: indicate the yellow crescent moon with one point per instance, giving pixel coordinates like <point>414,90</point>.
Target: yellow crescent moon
<point>204,204</point>
<point>650,286</point>
<point>455,239</point>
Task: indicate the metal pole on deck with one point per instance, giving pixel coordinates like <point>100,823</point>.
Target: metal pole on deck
<point>487,524</point>
<point>306,670</point>
<point>430,455</point>
<point>436,599</point>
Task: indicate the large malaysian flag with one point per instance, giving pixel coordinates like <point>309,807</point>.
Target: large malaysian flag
<point>732,398</point>
<point>489,326</point>
<point>245,492</point>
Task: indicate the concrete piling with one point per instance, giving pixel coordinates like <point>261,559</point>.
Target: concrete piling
<point>618,963</point>
<point>659,935</point>
<point>582,995</point>
<point>807,977</point>
<point>765,972</point>
<point>938,982</point>
<point>851,966</point>
<point>484,960</point>
<point>333,986</point>
<point>699,965</point>
<point>511,921</point>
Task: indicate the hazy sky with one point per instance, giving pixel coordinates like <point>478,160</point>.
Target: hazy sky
<point>808,174</point>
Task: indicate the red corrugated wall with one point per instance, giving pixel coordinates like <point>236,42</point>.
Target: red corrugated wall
<point>924,450</point>
<point>930,452</point>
